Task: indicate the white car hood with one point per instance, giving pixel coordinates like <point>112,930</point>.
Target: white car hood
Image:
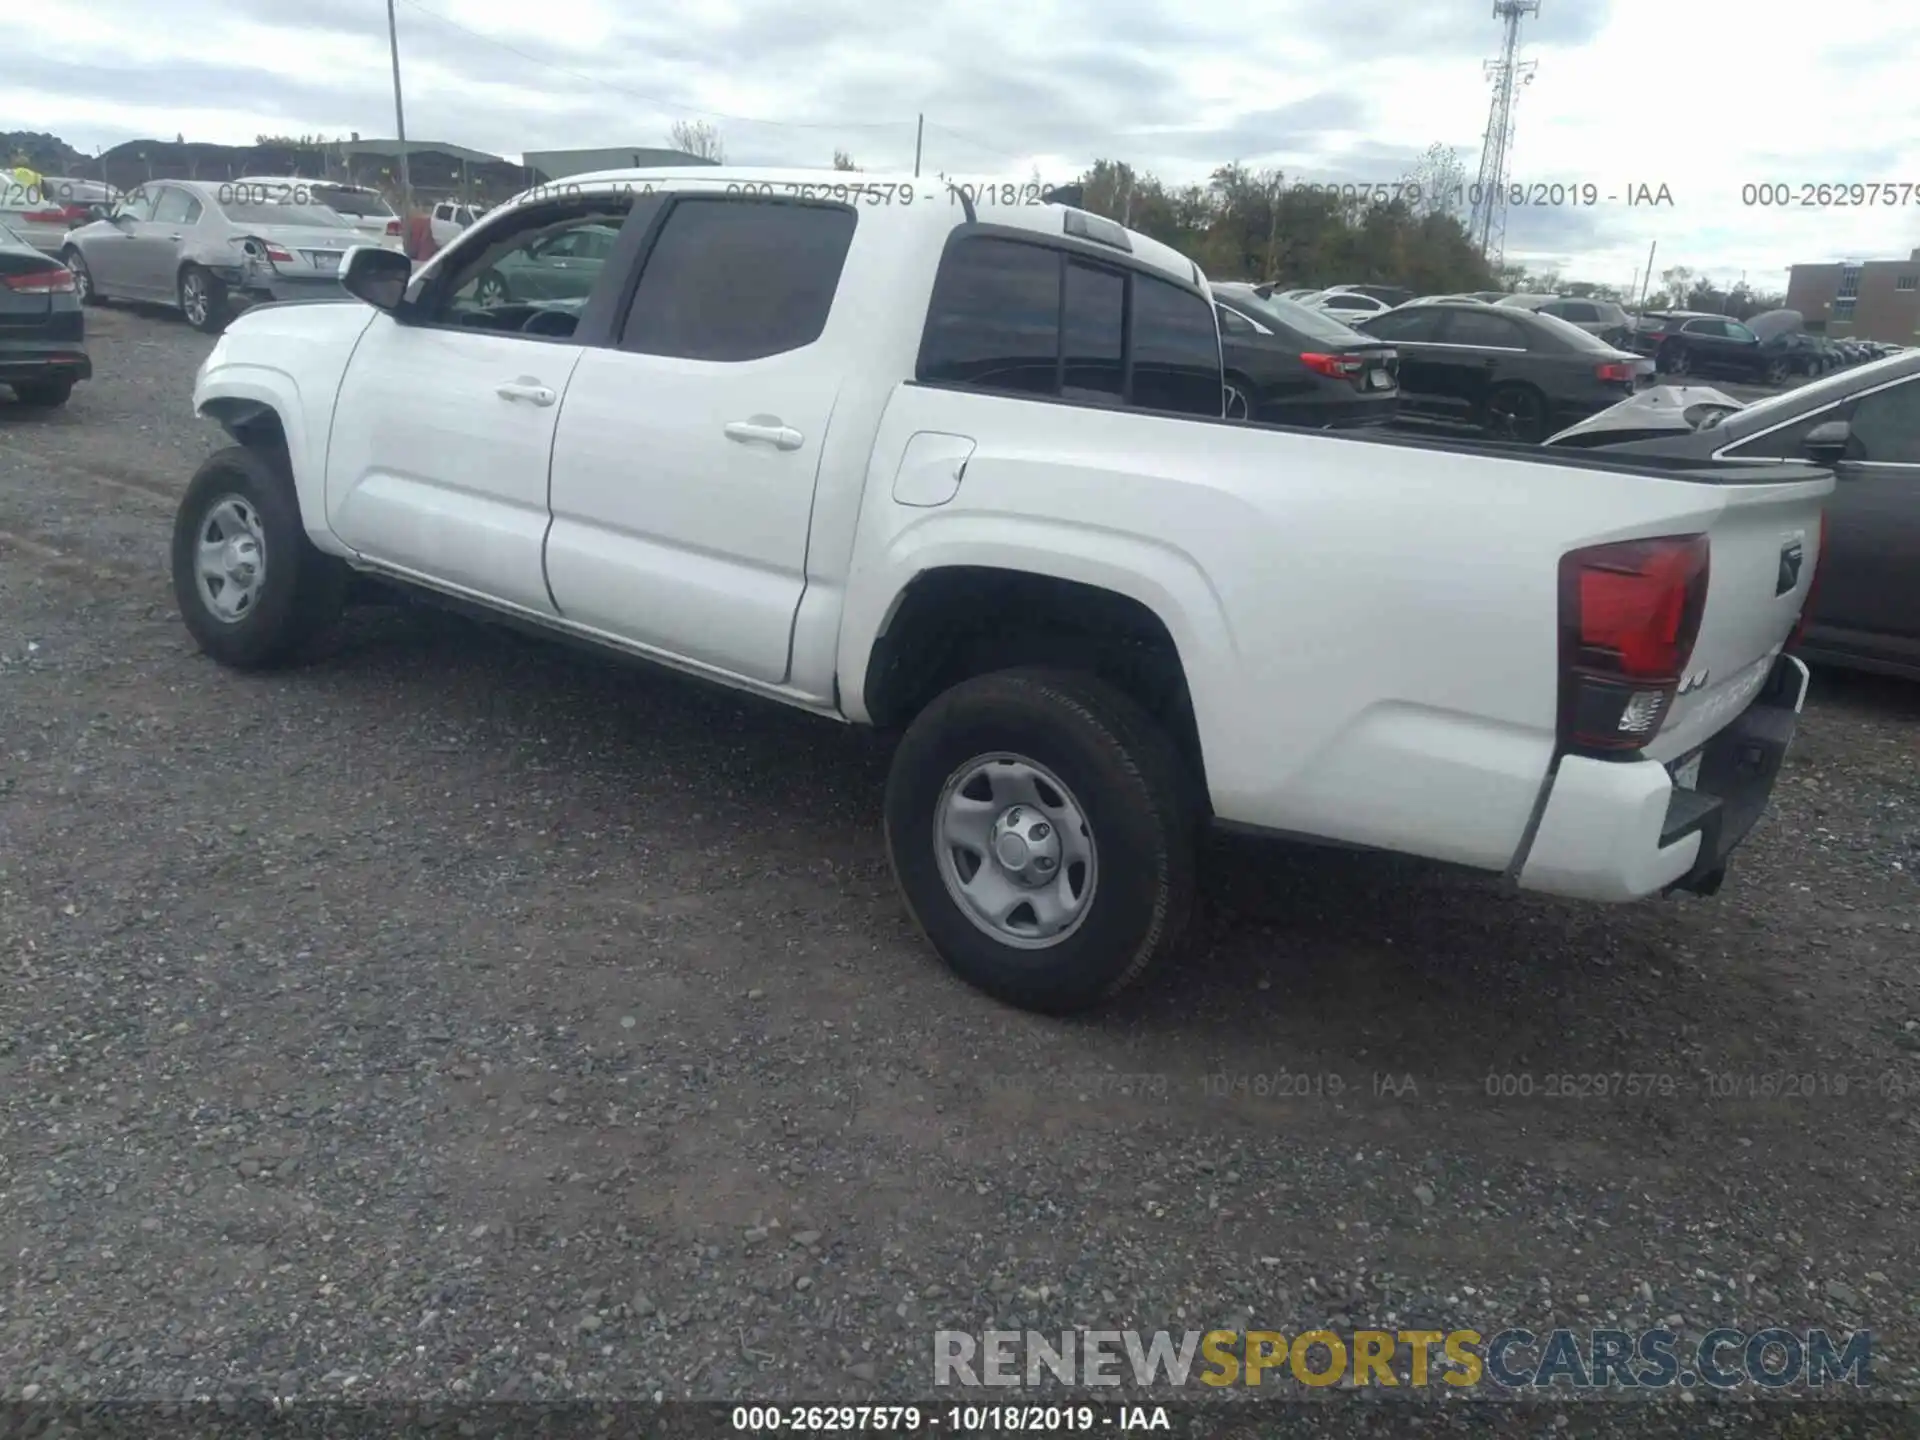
<point>1659,410</point>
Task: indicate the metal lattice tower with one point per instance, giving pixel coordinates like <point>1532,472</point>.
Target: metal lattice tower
<point>1488,224</point>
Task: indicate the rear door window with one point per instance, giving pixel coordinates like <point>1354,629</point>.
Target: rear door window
<point>1035,320</point>
<point>1886,425</point>
<point>994,321</point>
<point>176,207</point>
<point>1483,329</point>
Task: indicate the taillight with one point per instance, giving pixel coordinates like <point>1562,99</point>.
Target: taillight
<point>274,252</point>
<point>1335,367</point>
<point>1629,615</point>
<point>58,281</point>
<point>1813,585</point>
<point>393,227</point>
<point>54,216</point>
<point>1617,371</point>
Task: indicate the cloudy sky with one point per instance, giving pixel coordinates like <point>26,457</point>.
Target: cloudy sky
<point>1700,96</point>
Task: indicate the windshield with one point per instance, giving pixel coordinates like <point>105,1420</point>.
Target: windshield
<point>352,202</point>
<point>1314,324</point>
<point>268,212</point>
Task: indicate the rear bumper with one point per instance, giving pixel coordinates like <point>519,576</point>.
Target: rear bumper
<point>1622,830</point>
<point>55,360</point>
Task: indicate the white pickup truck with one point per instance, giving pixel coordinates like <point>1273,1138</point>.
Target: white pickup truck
<point>953,463</point>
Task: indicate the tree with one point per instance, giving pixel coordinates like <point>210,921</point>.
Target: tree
<point>843,161</point>
<point>1438,182</point>
<point>697,137</point>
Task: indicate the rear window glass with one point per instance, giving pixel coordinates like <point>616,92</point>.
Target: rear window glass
<point>268,212</point>
<point>1569,333</point>
<point>352,202</point>
<point>1302,319</point>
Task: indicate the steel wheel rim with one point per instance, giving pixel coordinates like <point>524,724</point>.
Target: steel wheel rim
<point>1015,851</point>
<point>230,559</point>
<point>193,297</point>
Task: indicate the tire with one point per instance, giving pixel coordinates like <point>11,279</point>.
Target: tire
<point>293,592</point>
<point>204,300</point>
<point>1517,412</point>
<point>1778,372</point>
<point>76,263</point>
<point>1675,361</point>
<point>43,394</point>
<point>491,289</point>
<point>999,742</point>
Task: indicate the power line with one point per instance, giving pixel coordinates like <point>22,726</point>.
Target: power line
<point>650,99</point>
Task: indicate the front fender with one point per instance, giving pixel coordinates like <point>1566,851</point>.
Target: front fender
<point>1159,576</point>
<point>287,362</point>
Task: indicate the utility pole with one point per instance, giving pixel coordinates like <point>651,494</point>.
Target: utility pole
<point>1487,226</point>
<point>399,114</point>
<point>1648,278</point>
<point>919,130</point>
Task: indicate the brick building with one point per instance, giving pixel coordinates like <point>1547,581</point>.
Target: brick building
<point>1876,300</point>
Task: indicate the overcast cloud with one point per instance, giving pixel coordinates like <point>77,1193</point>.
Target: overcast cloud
<point>1699,96</point>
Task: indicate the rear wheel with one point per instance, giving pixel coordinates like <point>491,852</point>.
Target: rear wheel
<point>1042,833</point>
<point>76,264</point>
<point>1238,406</point>
<point>43,394</point>
<point>251,586</point>
<point>491,289</point>
<point>1778,372</point>
<point>1517,412</point>
<point>204,300</point>
<point>1675,361</point>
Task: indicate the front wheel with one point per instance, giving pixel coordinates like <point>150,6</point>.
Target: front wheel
<point>203,300</point>
<point>491,290</point>
<point>1041,833</point>
<point>251,586</point>
<point>1778,372</point>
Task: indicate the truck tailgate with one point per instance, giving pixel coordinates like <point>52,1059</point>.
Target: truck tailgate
<point>1764,545</point>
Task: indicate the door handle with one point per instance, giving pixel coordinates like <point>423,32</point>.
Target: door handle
<point>173,237</point>
<point>770,432</point>
<point>526,388</point>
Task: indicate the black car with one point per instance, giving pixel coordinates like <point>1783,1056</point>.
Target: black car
<point>42,330</point>
<point>1290,365</point>
<point>1865,422</point>
<point>1508,372</point>
<point>1685,342</point>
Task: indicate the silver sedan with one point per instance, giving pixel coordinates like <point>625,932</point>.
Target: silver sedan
<point>211,248</point>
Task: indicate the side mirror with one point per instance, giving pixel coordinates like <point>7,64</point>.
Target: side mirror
<point>376,275</point>
<point>123,218</point>
<point>1827,442</point>
<point>99,212</point>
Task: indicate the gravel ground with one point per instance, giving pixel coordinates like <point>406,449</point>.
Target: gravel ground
<point>459,1016</point>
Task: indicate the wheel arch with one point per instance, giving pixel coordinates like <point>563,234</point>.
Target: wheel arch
<point>261,409</point>
<point>959,616</point>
